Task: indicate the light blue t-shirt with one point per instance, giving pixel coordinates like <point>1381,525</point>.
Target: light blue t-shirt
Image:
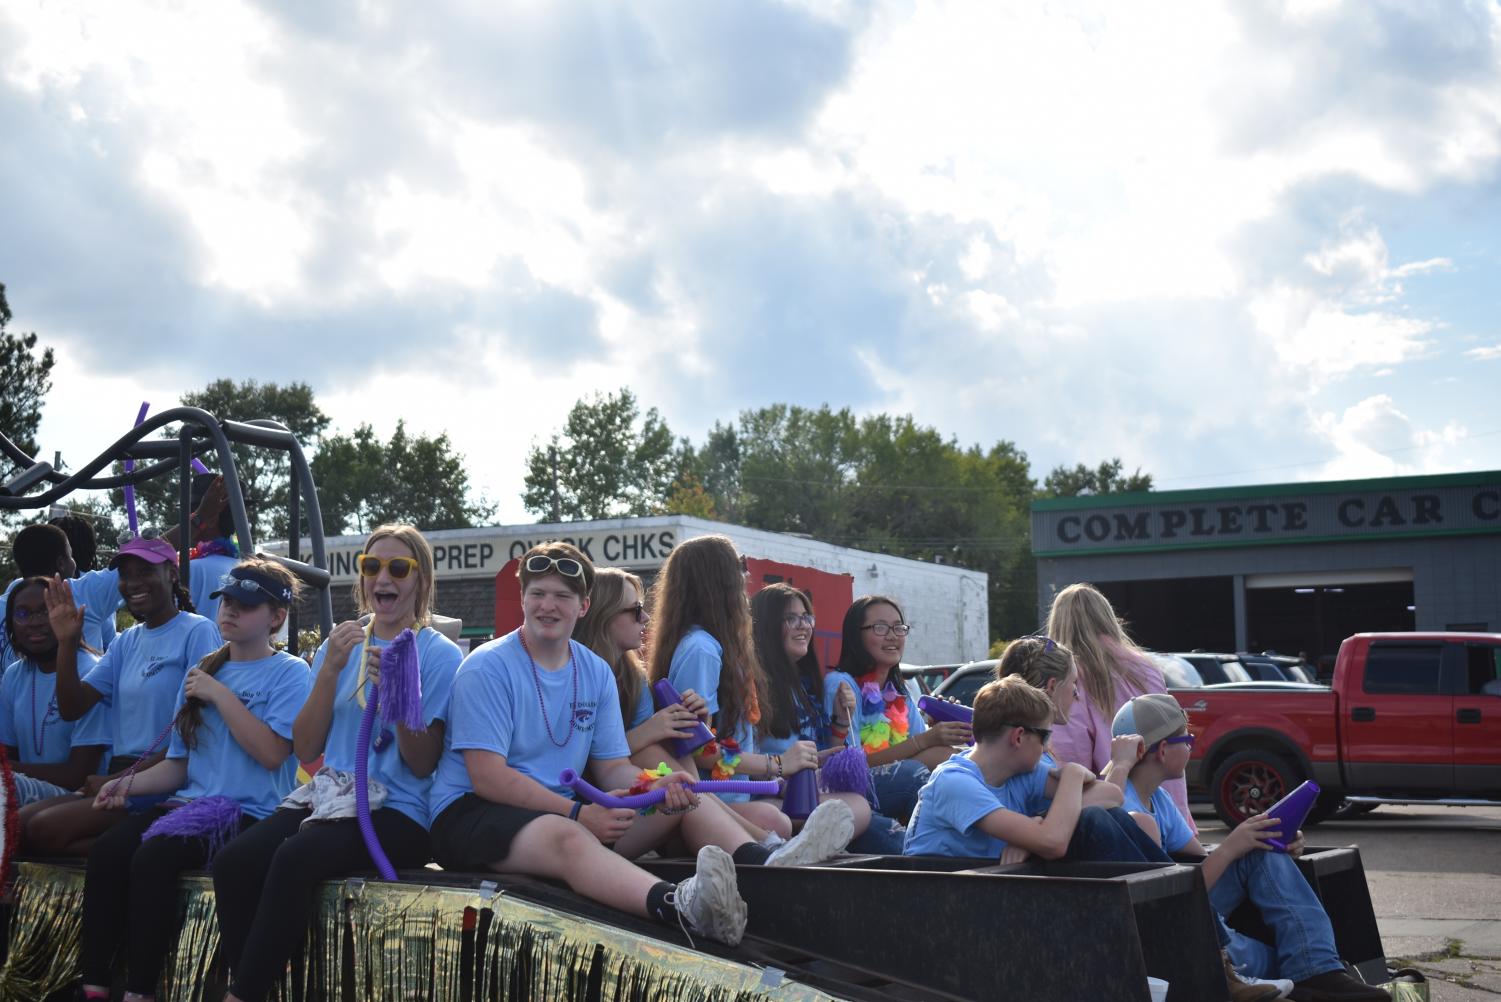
<point>203,580</point>
<point>956,797</point>
<point>273,689</point>
<point>865,714</point>
<point>98,592</point>
<point>437,658</point>
<point>696,664</point>
<point>1175,831</point>
<point>805,728</point>
<point>495,707</point>
<point>29,721</point>
<point>141,674</point>
<point>644,706</point>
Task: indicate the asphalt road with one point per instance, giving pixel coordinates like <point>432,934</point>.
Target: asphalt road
<point>1435,880</point>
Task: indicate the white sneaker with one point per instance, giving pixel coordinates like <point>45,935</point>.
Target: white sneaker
<point>708,901</point>
<point>825,834</point>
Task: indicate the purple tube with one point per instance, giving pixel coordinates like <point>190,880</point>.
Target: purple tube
<point>130,491</point>
<point>943,709</point>
<point>664,694</point>
<point>362,789</point>
<point>581,786</point>
<point>199,467</point>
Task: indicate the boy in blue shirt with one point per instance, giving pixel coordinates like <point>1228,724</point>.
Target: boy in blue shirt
<point>1243,867</point>
<point>533,703</point>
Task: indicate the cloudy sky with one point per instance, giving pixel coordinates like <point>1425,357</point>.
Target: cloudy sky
<point>1229,242</point>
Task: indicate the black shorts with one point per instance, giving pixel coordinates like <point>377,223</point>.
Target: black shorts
<point>473,833</point>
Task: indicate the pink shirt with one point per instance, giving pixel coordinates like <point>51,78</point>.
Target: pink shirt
<point>1086,737</point>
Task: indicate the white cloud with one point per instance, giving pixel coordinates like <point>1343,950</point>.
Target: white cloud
<point>1373,438</point>
<point>1485,354</point>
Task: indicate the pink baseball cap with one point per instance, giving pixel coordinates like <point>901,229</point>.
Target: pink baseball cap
<point>153,551</point>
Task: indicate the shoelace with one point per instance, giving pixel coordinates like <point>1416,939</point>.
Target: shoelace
<point>671,898</point>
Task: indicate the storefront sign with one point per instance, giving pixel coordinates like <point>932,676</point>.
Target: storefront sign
<point>484,556</point>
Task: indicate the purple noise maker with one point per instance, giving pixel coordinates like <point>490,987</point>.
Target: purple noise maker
<point>940,709</point>
<point>1291,810</point>
<point>801,795</point>
<point>635,801</point>
<point>664,694</point>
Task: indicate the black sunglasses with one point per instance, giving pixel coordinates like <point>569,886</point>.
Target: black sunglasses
<point>637,611</point>
<point>1043,733</point>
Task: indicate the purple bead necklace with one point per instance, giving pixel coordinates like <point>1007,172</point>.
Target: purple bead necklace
<point>537,681</point>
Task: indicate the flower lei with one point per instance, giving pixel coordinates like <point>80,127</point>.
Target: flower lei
<point>727,751</point>
<point>883,712</point>
<point>646,780</point>
<point>208,547</point>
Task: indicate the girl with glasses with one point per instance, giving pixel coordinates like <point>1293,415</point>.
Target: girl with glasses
<point>615,629</point>
<point>900,746</point>
<point>1112,670</point>
<point>228,764</point>
<point>264,880</point>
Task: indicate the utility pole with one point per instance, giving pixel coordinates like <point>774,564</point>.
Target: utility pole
<point>557,498</point>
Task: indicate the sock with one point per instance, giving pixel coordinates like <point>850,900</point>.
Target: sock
<point>657,905</point>
<point>751,854</point>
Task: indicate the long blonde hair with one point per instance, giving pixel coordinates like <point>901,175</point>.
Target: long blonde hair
<point>607,600</point>
<point>410,537</point>
<point>1082,620</point>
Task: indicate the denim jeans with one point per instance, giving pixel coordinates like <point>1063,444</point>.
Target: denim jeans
<point>1110,834</point>
<point>896,785</point>
<point>1305,939</point>
<point>884,837</point>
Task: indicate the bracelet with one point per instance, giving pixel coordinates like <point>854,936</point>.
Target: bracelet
<point>573,815</point>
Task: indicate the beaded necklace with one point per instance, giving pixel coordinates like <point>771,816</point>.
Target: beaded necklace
<point>37,725</point>
<point>537,681</point>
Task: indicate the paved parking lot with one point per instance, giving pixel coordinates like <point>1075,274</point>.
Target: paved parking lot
<point>1435,879</point>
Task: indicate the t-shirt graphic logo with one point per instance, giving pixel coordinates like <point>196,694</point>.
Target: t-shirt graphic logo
<point>155,665</point>
<point>583,716</point>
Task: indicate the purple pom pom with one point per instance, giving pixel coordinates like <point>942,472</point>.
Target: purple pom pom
<point>401,682</point>
<point>216,820</point>
<point>845,771</point>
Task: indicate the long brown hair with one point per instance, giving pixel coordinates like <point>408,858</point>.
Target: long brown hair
<point>1082,620</point>
<point>191,716</point>
<point>607,601</point>
<point>788,699</point>
<point>701,584</point>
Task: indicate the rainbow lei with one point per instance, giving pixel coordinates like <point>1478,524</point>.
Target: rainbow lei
<point>208,547</point>
<point>727,750</point>
<point>646,780</point>
<point>884,715</point>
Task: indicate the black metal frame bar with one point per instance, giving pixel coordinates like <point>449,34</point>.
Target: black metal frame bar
<point>201,432</point>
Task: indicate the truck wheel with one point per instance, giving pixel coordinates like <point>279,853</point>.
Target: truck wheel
<point>1249,782</point>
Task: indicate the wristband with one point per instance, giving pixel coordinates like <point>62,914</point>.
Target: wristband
<point>573,814</point>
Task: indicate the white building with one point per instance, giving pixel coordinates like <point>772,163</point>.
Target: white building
<point>948,606</point>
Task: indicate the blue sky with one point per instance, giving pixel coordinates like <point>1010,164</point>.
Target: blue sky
<point>1228,242</point>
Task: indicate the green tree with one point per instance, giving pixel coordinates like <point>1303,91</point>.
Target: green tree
<point>265,474</point>
<point>363,482</point>
<point>23,390</point>
<point>1107,478</point>
<point>609,461</point>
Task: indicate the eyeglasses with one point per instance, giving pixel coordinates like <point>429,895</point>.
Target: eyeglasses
<point>881,629</point>
<point>21,614</point>
<point>637,611</point>
<point>1043,733</point>
<point>795,620</point>
<point>399,567</point>
<point>281,593</point>
<point>540,563</point>
<point>1181,739</point>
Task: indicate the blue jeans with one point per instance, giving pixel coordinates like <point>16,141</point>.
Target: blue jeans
<point>1305,940</point>
<point>896,785</point>
<point>884,837</point>
<point>1111,835</point>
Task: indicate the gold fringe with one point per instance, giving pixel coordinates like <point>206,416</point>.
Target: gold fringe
<point>46,931</point>
<point>409,941</point>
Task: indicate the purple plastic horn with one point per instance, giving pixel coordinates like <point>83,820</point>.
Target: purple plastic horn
<point>946,709</point>
<point>664,694</point>
<point>1292,810</point>
<point>593,794</point>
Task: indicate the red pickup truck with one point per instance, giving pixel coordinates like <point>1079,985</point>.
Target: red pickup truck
<point>1408,718</point>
